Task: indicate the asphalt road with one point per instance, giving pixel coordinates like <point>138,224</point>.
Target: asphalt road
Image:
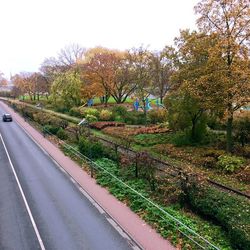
<point>64,217</point>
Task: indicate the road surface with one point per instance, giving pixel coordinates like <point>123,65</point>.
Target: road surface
<point>40,207</point>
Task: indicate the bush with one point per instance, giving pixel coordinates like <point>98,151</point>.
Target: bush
<point>60,122</point>
<point>27,112</point>
<point>105,115</point>
<point>61,109</point>
<point>134,118</point>
<point>91,149</point>
<point>231,212</point>
<point>120,111</point>
<point>157,116</point>
<point>75,112</point>
<point>182,138</point>
<point>102,125</point>
<point>242,129</point>
<point>61,134</point>
<point>50,129</point>
<point>229,163</point>
<point>90,111</point>
<point>216,123</point>
<point>91,118</point>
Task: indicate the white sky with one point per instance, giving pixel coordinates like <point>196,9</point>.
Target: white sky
<point>32,30</point>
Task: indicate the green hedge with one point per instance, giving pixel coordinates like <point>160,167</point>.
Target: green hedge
<point>230,211</point>
<point>92,149</point>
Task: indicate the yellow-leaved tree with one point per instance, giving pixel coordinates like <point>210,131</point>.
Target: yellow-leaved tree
<point>229,20</point>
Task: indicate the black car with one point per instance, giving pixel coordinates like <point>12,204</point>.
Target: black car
<point>7,118</point>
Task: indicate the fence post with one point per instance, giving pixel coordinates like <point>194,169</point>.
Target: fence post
<point>136,165</point>
<point>91,169</point>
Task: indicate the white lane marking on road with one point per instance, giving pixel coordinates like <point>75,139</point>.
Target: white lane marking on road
<point>135,247</point>
<point>24,198</point>
<point>72,180</point>
<point>122,233</point>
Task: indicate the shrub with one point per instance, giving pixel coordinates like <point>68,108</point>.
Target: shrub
<point>75,112</point>
<point>90,111</point>
<point>120,111</point>
<point>50,129</point>
<point>231,212</point>
<point>105,115</point>
<point>102,125</point>
<point>61,108</point>
<point>91,118</point>
<point>215,153</point>
<point>60,122</point>
<point>242,129</point>
<point>134,118</point>
<point>91,149</point>
<point>229,163</point>
<point>157,116</point>
<point>61,134</point>
<point>28,112</point>
<point>182,138</point>
<point>215,123</point>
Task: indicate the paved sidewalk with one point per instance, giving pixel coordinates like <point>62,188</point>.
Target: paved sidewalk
<point>130,222</point>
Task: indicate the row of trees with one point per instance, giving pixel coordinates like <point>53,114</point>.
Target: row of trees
<point>105,72</point>
<point>206,72</point>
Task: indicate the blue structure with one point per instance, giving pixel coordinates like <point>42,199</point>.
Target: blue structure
<point>148,107</point>
<point>90,102</point>
<point>136,104</point>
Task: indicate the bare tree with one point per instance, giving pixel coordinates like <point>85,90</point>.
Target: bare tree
<point>71,54</point>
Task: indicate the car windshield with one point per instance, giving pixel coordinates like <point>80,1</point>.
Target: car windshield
<point>7,115</point>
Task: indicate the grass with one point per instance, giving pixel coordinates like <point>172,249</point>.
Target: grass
<point>152,139</point>
<point>151,214</point>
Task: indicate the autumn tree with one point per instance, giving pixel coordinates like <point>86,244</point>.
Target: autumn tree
<point>193,93</point>
<point>124,79</point>
<point>66,89</point>
<point>67,59</point>
<point>101,69</point>
<point>161,69</point>
<point>40,85</point>
<point>22,81</point>
<point>139,58</point>
<point>112,70</point>
<point>230,21</point>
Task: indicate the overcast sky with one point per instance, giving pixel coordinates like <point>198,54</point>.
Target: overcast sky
<point>32,30</point>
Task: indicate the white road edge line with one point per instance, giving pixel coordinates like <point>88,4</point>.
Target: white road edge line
<point>24,198</point>
<point>134,244</point>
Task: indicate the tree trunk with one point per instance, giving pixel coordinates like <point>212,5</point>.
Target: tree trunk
<point>144,111</point>
<point>193,129</point>
<point>230,132</point>
<point>161,99</point>
<point>106,100</point>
